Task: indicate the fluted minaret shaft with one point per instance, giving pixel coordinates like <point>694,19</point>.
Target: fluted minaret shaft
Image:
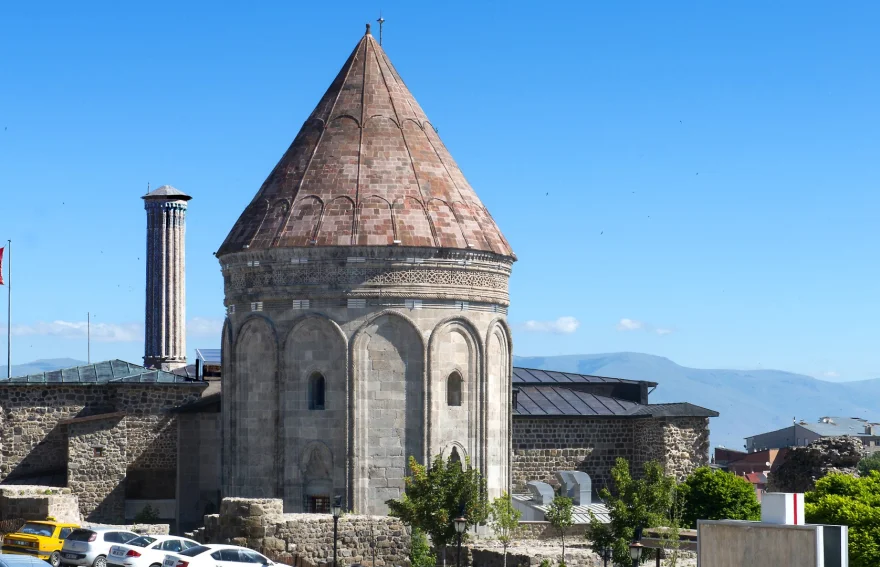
<point>165,317</point>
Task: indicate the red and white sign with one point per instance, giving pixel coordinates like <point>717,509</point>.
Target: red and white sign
<point>783,508</point>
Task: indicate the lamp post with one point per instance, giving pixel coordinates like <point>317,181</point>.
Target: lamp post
<point>635,552</point>
<point>606,555</point>
<point>336,510</point>
<point>460,528</point>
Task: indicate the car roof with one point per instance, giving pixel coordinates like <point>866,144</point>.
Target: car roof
<point>102,529</point>
<point>52,523</point>
<point>216,546</point>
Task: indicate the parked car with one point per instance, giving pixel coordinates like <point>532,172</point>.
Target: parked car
<point>88,547</point>
<point>215,555</point>
<point>147,551</point>
<point>21,561</point>
<point>43,540</point>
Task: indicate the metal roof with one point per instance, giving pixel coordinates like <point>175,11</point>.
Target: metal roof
<point>580,514</point>
<point>560,401</point>
<point>107,372</point>
<point>208,355</point>
<point>535,376</point>
<point>839,426</point>
<point>678,409</point>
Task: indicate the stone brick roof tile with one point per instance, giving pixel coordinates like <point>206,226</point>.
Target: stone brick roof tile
<point>366,169</point>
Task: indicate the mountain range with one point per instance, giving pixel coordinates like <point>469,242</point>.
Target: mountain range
<point>749,401</point>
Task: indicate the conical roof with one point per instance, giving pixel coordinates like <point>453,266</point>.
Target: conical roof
<point>366,169</point>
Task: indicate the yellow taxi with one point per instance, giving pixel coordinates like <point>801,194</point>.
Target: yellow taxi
<point>43,539</point>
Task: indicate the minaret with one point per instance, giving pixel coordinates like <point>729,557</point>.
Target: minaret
<point>165,333</point>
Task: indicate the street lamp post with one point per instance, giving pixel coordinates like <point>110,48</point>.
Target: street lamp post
<point>606,555</point>
<point>460,528</point>
<point>635,552</point>
<point>336,510</point>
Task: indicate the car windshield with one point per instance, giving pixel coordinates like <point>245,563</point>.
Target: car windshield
<point>193,551</point>
<point>142,541</point>
<point>80,535</point>
<point>37,529</point>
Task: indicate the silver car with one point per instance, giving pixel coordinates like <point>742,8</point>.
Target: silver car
<point>88,547</point>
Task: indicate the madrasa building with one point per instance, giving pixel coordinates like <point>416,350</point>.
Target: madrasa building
<point>366,296</point>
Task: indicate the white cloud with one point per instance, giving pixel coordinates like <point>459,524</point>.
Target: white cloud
<point>629,325</point>
<point>100,332</point>
<point>831,374</point>
<point>563,325</point>
<point>204,327</point>
<point>626,324</point>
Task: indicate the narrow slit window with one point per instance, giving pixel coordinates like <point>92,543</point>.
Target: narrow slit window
<point>453,389</point>
<point>316,392</point>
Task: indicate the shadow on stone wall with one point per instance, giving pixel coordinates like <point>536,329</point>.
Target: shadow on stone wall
<point>46,463</point>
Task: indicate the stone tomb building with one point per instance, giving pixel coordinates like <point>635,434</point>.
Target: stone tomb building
<point>366,292</point>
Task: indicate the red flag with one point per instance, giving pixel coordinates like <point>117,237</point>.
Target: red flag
<point>1,265</point>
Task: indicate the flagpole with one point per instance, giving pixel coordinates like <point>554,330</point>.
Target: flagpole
<point>88,337</point>
<point>9,309</point>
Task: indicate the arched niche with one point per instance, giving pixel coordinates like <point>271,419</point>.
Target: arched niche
<point>388,362</point>
<point>498,385</point>
<point>314,347</point>
<point>454,352</point>
<point>255,410</point>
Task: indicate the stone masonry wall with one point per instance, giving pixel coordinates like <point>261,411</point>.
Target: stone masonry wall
<point>34,441</point>
<point>306,539</point>
<point>542,446</point>
<point>681,444</point>
<point>96,473</point>
<point>38,503</point>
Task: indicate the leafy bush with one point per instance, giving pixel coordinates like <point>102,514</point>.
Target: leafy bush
<point>147,515</point>
<point>560,517</point>
<point>648,502</point>
<point>709,494</point>
<point>869,463</point>
<point>420,552</point>
<point>855,502</point>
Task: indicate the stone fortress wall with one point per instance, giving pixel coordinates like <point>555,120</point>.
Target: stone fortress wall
<point>542,446</point>
<point>306,539</point>
<point>91,438</point>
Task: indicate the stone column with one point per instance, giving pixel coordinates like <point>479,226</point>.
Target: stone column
<point>165,317</point>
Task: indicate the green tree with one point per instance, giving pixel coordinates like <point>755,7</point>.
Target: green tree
<point>869,463</point>
<point>420,552</point>
<point>717,495</point>
<point>147,515</point>
<point>855,502</point>
<point>435,496</point>
<point>647,502</point>
<point>559,516</point>
<point>504,519</point>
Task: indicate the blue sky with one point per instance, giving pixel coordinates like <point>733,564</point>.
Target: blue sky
<point>692,180</point>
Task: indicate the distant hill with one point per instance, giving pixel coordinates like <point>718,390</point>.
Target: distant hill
<point>44,365</point>
<point>749,401</point>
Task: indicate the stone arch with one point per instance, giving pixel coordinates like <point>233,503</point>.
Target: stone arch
<point>388,361</point>
<point>498,415</point>
<point>450,446</point>
<point>256,409</point>
<point>314,344</point>
<point>302,222</point>
<point>455,346</point>
<point>336,225</point>
<point>316,468</point>
<point>375,223</point>
<point>273,219</point>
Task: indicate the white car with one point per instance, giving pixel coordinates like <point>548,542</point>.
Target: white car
<point>88,547</point>
<point>215,555</point>
<point>147,550</point>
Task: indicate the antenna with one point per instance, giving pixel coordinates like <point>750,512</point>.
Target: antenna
<point>381,21</point>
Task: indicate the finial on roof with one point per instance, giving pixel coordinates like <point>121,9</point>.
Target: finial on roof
<point>381,21</point>
<point>368,29</point>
